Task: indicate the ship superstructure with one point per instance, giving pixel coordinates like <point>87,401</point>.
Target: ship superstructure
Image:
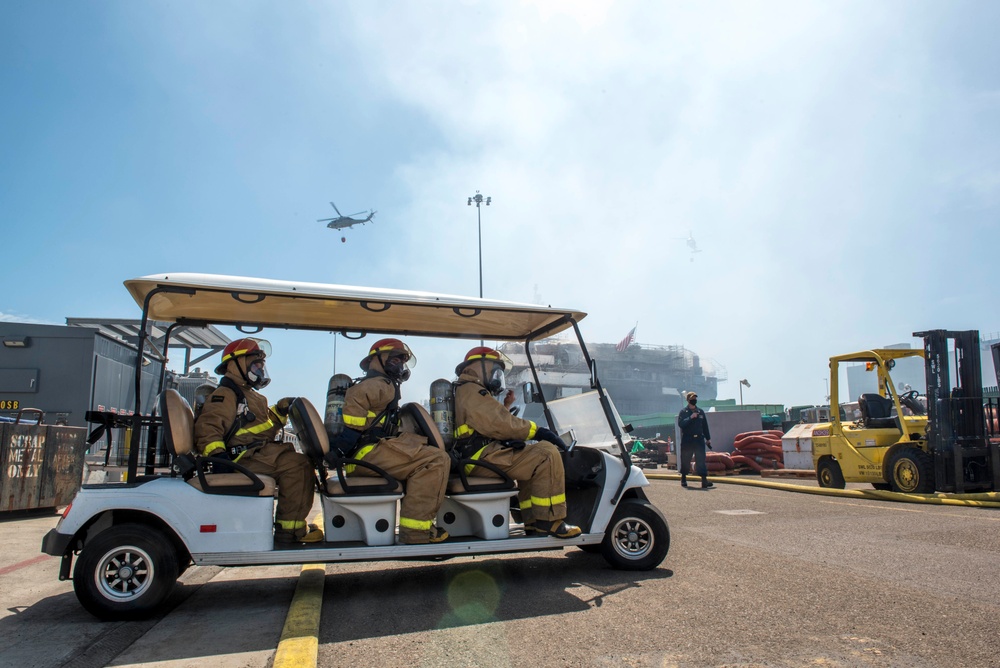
<point>643,379</point>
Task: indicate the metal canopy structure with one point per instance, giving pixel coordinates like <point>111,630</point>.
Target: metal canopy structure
<point>181,337</point>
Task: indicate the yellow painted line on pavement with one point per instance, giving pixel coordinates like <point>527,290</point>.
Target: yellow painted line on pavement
<point>299,644</point>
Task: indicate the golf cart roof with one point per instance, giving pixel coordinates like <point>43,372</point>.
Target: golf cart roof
<point>200,299</point>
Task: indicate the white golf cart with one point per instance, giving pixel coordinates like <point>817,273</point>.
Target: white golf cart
<point>133,539</point>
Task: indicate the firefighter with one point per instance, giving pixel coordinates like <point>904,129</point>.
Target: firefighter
<point>371,433</point>
<point>487,431</point>
<point>236,423</point>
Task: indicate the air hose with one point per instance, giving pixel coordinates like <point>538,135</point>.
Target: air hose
<point>980,500</point>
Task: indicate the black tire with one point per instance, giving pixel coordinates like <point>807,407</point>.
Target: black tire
<point>912,471</point>
<point>637,538</point>
<point>882,486</point>
<point>828,474</point>
<point>125,572</point>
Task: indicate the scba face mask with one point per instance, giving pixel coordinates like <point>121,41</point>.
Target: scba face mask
<point>257,375</point>
<point>497,381</point>
<point>396,367</point>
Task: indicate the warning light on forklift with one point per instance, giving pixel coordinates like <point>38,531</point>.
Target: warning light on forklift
<point>869,366</point>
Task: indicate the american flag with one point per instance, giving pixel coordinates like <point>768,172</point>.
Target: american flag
<point>627,341</point>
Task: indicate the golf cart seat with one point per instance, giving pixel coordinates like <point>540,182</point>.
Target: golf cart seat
<point>876,412</point>
<point>473,505</point>
<point>177,434</point>
<point>363,509</point>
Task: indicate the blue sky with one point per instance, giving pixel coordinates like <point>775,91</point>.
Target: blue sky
<point>839,165</point>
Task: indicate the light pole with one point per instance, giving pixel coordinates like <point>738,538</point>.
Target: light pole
<point>478,199</point>
<point>742,383</point>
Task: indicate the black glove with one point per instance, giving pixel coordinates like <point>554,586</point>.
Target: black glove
<point>344,443</point>
<point>221,453</point>
<point>543,434</point>
<point>217,465</point>
<point>708,444</point>
<point>282,406</point>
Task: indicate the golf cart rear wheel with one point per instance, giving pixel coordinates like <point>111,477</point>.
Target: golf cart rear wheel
<point>637,538</point>
<point>125,572</point>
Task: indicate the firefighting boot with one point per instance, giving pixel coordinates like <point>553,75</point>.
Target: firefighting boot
<point>312,534</point>
<point>433,535</point>
<point>557,528</point>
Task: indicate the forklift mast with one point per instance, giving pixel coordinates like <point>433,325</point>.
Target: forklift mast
<point>964,458</point>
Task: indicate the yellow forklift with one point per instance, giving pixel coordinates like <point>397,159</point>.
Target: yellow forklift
<point>897,443</point>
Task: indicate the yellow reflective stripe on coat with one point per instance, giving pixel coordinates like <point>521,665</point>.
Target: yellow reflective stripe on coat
<point>356,421</point>
<point>352,421</point>
<point>531,432</point>
<point>283,419</point>
<point>360,454</point>
<point>212,447</point>
<point>464,431</point>
<point>469,467</point>
<point>257,428</point>
<point>291,524</point>
<point>419,525</point>
<point>550,501</point>
<point>525,504</point>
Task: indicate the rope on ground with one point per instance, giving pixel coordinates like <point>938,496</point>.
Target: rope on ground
<point>982,500</point>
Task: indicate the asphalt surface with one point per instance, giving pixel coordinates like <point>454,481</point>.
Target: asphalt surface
<point>754,577</point>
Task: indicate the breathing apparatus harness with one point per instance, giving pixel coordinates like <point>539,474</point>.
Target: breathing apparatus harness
<point>469,445</point>
<point>384,425</point>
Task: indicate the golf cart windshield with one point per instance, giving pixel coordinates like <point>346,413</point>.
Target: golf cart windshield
<point>584,414</point>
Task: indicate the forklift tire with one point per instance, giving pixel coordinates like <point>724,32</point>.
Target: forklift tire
<point>637,537</point>
<point>882,486</point>
<point>828,474</point>
<point>125,572</point>
<point>912,472</point>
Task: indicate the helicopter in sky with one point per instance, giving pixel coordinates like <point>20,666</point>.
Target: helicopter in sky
<point>342,222</point>
<point>691,244</point>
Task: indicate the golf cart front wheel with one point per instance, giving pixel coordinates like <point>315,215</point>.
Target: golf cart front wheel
<point>637,538</point>
<point>125,572</point>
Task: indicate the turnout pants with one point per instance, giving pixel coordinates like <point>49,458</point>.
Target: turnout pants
<point>541,480</point>
<point>424,469</point>
<point>295,478</point>
<point>696,450</point>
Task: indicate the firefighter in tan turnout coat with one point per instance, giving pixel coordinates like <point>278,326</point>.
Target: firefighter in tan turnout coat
<point>487,431</point>
<point>236,423</point>
<point>371,433</point>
